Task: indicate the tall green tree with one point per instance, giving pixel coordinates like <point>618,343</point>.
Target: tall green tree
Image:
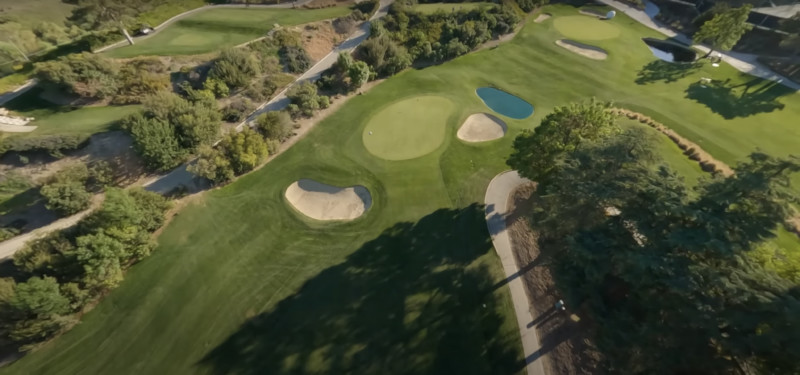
<point>100,15</point>
<point>535,152</point>
<point>665,275</point>
<point>37,310</point>
<point>725,29</point>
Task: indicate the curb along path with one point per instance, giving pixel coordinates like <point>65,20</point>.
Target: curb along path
<point>497,196</point>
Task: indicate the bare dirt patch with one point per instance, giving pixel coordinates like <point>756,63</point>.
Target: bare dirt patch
<point>481,127</point>
<point>585,50</point>
<point>319,38</point>
<point>542,17</point>
<point>566,347</point>
<point>326,202</point>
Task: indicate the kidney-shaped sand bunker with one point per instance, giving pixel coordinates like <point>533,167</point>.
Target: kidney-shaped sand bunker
<point>326,202</point>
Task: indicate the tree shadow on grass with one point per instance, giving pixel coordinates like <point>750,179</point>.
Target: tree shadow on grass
<point>411,301</point>
<point>742,100</point>
<point>660,70</point>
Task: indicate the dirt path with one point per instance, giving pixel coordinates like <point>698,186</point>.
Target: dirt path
<point>497,211</point>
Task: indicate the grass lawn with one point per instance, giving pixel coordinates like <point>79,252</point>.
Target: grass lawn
<point>449,7</point>
<point>215,29</point>
<point>409,128</point>
<point>55,119</point>
<point>241,283</point>
<point>583,27</point>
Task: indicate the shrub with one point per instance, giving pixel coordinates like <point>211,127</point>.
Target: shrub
<point>384,56</point>
<point>274,125</point>
<point>66,198</point>
<point>236,67</point>
<point>260,90</point>
<point>53,144</point>
<point>85,74</point>
<point>238,110</point>
<point>295,59</point>
<point>155,141</point>
<point>216,86</point>
<point>244,150</point>
<point>367,7</point>
<point>140,78</point>
<point>305,99</point>
<point>211,164</point>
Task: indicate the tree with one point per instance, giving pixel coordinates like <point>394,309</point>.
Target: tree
<point>37,310</point>
<point>306,98</point>
<point>100,256</point>
<point>244,150</point>
<point>101,15</point>
<point>383,55</point>
<point>66,198</point>
<point>666,278</point>
<point>359,74</point>
<point>211,164</point>
<point>274,125</point>
<point>535,152</point>
<point>725,29</point>
<point>155,140</point>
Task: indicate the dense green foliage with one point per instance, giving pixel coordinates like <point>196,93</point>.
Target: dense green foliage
<point>65,270</point>
<point>563,130</point>
<point>87,75</point>
<point>171,127</point>
<point>405,35</point>
<point>725,28</point>
<point>236,67</point>
<point>305,99</point>
<point>236,154</point>
<point>274,125</point>
<point>54,144</point>
<point>665,275</point>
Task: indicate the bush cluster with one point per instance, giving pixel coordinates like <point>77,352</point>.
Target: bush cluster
<point>305,99</point>
<point>54,144</point>
<point>236,154</point>
<point>68,269</point>
<point>70,190</point>
<point>93,77</point>
<point>171,127</point>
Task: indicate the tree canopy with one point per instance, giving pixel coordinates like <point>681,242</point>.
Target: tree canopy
<point>725,29</point>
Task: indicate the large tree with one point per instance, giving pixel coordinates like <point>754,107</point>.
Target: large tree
<point>99,15</point>
<point>725,29</point>
<point>563,130</point>
<point>666,276</point>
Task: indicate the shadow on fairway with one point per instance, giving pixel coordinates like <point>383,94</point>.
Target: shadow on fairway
<point>742,100</point>
<point>660,70</point>
<point>410,301</point>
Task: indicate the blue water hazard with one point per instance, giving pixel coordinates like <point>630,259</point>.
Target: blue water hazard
<point>504,103</point>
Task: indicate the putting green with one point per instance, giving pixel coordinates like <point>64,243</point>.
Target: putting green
<point>408,129</point>
<point>585,28</point>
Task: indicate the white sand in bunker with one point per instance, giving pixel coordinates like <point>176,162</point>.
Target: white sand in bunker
<point>325,202</point>
<point>592,52</point>
<point>542,17</point>
<point>481,127</point>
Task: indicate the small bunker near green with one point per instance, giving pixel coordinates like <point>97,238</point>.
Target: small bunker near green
<point>409,128</point>
<point>504,103</point>
<point>327,202</point>
<point>585,50</point>
<point>481,127</point>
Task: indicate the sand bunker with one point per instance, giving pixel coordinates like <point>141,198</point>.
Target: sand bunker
<point>542,17</point>
<point>592,52</point>
<point>325,202</point>
<point>481,127</point>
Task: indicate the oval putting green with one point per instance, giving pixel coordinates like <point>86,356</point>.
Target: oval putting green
<point>409,128</point>
<point>585,28</point>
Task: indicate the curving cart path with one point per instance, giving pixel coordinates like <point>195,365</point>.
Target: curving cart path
<point>497,197</point>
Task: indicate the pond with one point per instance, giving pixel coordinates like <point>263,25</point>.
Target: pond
<point>670,52</point>
<point>504,103</point>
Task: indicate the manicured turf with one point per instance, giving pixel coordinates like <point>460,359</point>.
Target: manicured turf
<point>215,29</point>
<point>241,284</point>
<point>54,119</point>
<point>585,28</point>
<point>409,128</point>
<point>450,7</point>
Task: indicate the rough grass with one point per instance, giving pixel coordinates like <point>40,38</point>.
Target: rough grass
<point>32,12</point>
<point>586,28</point>
<point>450,7</point>
<point>215,29</point>
<point>242,284</point>
<point>408,128</point>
